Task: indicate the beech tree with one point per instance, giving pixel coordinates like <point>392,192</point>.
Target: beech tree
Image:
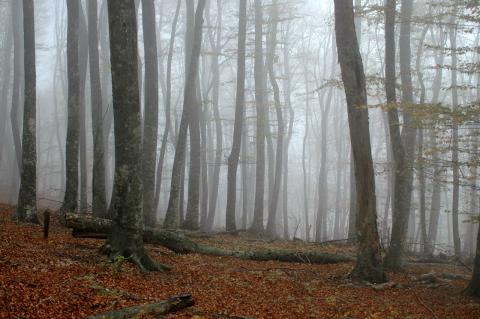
<point>369,265</point>
<point>27,198</point>
<point>126,235</point>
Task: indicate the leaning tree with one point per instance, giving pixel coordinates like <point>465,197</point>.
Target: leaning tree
<point>369,264</point>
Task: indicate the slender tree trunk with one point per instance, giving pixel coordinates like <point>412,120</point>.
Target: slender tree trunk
<point>168,106</point>
<point>420,159</point>
<point>404,144</point>
<point>306,190</point>
<point>99,200</point>
<point>150,125</point>
<point>238,124</point>
<point>15,112</point>
<point>369,260</point>
<point>27,198</point>
<point>212,202</point>
<point>6,81</point>
<point>172,215</point>
<point>257,224</point>
<point>192,214</point>
<point>455,165</point>
<point>72,151</point>
<point>272,212</point>
<point>83,63</point>
<point>288,102</point>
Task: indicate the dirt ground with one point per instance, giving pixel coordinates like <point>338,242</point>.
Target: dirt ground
<point>65,277</point>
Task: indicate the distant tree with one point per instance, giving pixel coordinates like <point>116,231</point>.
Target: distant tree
<point>173,210</point>
<point>99,200</point>
<point>369,264</point>
<point>27,199</point>
<point>126,236</point>
<point>260,92</point>
<point>238,125</point>
<point>72,151</point>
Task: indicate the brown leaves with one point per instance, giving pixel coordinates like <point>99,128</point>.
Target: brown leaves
<point>64,277</point>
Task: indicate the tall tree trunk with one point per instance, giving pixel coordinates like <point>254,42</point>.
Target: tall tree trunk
<point>420,159</point>
<point>257,224</point>
<point>27,198</point>
<point>369,260</point>
<point>272,212</point>
<point>212,202</point>
<point>455,165</point>
<point>17,95</point>
<point>150,125</point>
<point>404,143</point>
<point>168,106</point>
<point>72,151</point>
<point>82,64</point>
<point>304,153</point>
<point>126,235</point>
<point>6,81</point>
<point>238,124</point>
<point>172,215</point>
<point>288,102</point>
<point>99,200</point>
<point>192,214</point>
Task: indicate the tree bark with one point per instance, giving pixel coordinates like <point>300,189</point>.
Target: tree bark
<point>150,125</point>
<point>126,233</point>
<point>99,200</point>
<point>238,124</point>
<point>27,198</point>
<point>72,150</point>
<point>82,64</point>
<point>164,307</point>
<point>369,264</point>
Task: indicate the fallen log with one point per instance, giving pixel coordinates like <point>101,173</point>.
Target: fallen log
<point>89,226</point>
<point>164,307</point>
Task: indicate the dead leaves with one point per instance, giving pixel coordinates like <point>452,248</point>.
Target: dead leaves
<point>64,277</point>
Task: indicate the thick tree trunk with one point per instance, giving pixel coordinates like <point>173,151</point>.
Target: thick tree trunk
<point>99,200</point>
<point>150,125</point>
<point>6,81</point>
<point>126,233</point>
<point>72,151</point>
<point>91,227</point>
<point>257,224</point>
<point>369,264</point>
<point>474,286</point>
<point>27,198</point>
<point>239,117</point>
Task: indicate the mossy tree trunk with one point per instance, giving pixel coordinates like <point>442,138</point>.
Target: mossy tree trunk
<point>126,234</point>
<point>26,209</point>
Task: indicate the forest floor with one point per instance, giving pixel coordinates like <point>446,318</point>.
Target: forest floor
<point>66,277</point>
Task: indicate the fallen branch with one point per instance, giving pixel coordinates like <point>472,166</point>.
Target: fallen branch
<point>172,304</point>
<point>178,243</point>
